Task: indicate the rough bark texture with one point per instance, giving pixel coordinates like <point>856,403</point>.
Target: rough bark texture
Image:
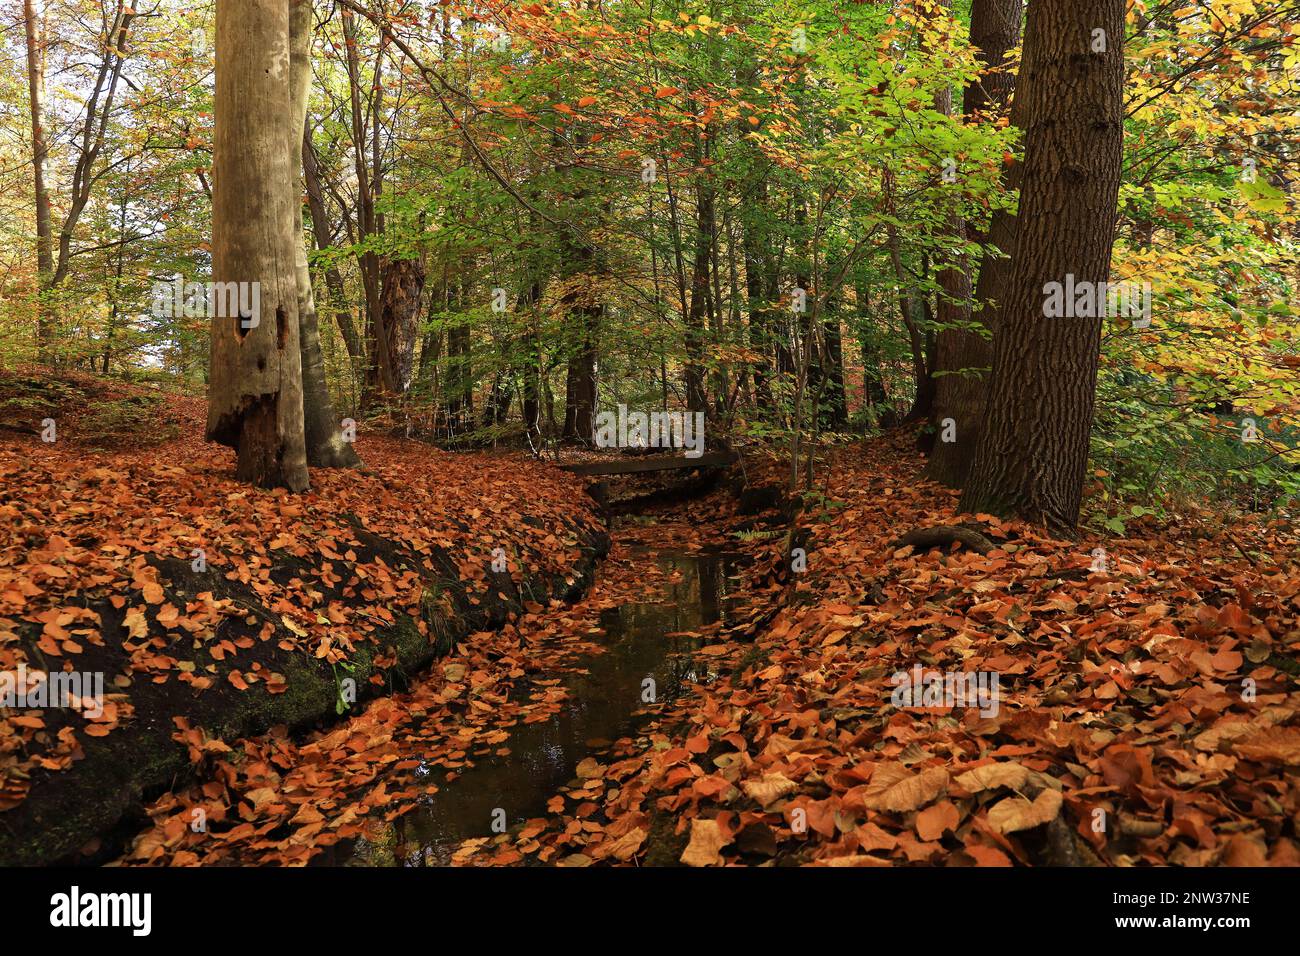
<point>255,389</point>
<point>399,310</point>
<point>952,340</point>
<point>321,424</point>
<point>1033,453</point>
<point>580,395</point>
<point>584,313</point>
<point>995,30</point>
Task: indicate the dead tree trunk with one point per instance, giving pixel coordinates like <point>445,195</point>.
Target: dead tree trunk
<point>255,389</point>
<point>399,311</point>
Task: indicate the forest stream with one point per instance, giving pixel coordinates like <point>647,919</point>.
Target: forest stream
<point>643,640</point>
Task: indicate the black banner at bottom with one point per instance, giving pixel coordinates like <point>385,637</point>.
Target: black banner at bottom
<point>277,908</point>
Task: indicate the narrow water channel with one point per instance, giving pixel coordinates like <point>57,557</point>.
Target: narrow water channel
<point>600,708</point>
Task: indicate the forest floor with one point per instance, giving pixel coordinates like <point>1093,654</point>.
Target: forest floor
<point>215,611</point>
<point>1145,713</point>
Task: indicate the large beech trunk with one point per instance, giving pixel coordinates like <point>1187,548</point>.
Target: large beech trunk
<point>255,388</point>
<point>1033,452</point>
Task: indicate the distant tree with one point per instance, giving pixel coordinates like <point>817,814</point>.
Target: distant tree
<point>995,31</point>
<point>323,435</point>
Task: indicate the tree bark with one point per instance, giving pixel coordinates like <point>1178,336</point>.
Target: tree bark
<point>92,132</point>
<point>583,314</point>
<point>917,340</point>
<point>367,221</point>
<point>1033,453</point>
<point>580,393</point>
<point>399,310</point>
<point>833,403</point>
<point>697,399</point>
<point>255,390</point>
<point>959,395</point>
<point>530,397</point>
<point>322,428</point>
<point>40,152</point>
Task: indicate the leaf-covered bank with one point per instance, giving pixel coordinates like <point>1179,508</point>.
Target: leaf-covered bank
<point>214,611</point>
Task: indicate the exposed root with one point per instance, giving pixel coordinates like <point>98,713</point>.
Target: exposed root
<point>945,534</point>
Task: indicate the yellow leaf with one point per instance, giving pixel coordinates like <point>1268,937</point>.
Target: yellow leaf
<point>771,788</point>
<point>1017,813</point>
<point>707,839</point>
<point>893,787</point>
<point>1009,774</point>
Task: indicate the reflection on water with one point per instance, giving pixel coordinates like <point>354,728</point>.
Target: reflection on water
<point>599,709</point>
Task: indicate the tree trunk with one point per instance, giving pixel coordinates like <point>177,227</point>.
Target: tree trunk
<point>460,373</point>
<point>1033,453</point>
<point>875,399</point>
<point>321,231</point>
<point>399,310</point>
<point>580,392</point>
<point>323,433</point>
<point>916,339</point>
<point>833,403</point>
<point>40,151</point>
<point>696,397</point>
<point>995,30</point>
<point>255,400</point>
<point>530,397</point>
<point>760,307</point>
<point>367,221</point>
<point>583,314</point>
